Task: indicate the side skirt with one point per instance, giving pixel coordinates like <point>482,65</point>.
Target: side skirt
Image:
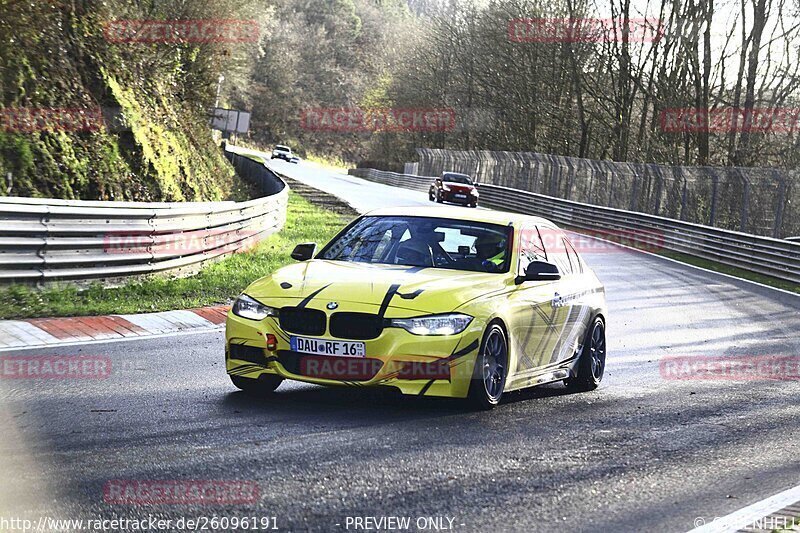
<point>543,375</point>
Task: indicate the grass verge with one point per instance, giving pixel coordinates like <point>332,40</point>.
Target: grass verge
<point>216,284</point>
<point>336,164</point>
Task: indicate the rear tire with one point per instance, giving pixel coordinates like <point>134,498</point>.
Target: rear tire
<point>431,196</point>
<point>491,370</point>
<point>263,386</point>
<point>592,362</point>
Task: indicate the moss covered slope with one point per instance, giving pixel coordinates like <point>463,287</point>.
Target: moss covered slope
<point>153,142</point>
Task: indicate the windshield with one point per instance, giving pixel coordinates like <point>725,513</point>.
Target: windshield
<point>457,178</point>
<point>282,149</point>
<point>424,242</point>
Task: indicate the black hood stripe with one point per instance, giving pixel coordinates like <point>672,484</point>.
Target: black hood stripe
<point>388,300</point>
<point>307,300</point>
<point>412,295</point>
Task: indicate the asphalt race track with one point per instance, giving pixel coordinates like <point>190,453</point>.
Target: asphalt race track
<point>642,453</point>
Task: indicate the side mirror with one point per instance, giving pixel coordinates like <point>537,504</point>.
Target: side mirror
<point>304,252</point>
<point>540,271</point>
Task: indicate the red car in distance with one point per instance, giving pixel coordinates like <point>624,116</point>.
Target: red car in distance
<point>454,188</point>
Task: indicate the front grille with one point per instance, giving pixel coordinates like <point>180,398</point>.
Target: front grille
<point>357,326</point>
<point>302,321</point>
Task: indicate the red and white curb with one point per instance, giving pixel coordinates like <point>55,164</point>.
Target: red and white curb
<point>37,332</point>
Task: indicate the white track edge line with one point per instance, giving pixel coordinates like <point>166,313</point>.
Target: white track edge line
<point>746,516</point>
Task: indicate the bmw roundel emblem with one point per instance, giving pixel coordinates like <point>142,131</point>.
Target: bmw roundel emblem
<point>333,305</point>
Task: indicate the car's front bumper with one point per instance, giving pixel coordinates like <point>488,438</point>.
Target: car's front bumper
<point>416,365</point>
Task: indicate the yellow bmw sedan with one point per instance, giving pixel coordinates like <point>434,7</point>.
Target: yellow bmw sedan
<point>452,303</point>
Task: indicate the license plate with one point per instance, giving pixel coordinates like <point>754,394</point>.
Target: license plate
<point>462,196</point>
<point>328,347</point>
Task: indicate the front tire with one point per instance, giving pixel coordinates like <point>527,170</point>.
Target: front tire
<point>263,386</point>
<point>491,369</point>
<point>592,362</point>
<point>439,198</point>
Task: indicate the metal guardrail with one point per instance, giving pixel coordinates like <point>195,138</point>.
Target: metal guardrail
<point>760,201</point>
<point>43,240</point>
<point>763,255</point>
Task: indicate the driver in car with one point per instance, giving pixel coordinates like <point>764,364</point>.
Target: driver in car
<point>491,250</point>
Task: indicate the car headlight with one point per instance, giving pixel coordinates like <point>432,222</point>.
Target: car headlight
<point>251,309</point>
<point>451,324</point>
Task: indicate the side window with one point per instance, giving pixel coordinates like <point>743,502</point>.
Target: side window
<point>574,258</point>
<point>531,247</point>
<point>557,251</point>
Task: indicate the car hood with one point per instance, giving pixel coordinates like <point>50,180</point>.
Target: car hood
<point>426,290</point>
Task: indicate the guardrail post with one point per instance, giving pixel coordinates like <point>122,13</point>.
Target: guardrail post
<point>555,176</point>
<point>590,187</point>
<point>659,186</point>
<point>613,172</point>
<point>684,195</point>
<point>712,218</point>
<point>537,171</point>
<point>679,174</point>
<point>634,191</point>
<point>570,177</point>
<point>776,232</point>
<point>745,199</point>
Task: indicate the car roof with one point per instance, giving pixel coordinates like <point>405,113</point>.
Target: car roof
<point>461,213</point>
